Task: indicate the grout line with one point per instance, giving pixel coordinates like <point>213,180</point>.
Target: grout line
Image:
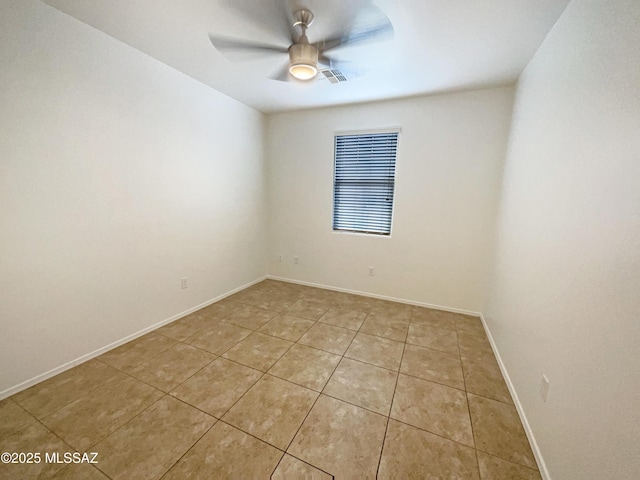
<point>433,433</point>
<point>393,397</point>
<point>320,394</point>
<point>189,449</point>
<point>312,406</point>
<point>493,455</point>
<point>252,435</point>
<point>466,396</point>
<point>71,448</point>
<point>303,461</point>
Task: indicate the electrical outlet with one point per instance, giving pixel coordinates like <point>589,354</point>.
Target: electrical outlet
<point>295,260</point>
<point>184,282</point>
<point>372,271</point>
<point>544,388</point>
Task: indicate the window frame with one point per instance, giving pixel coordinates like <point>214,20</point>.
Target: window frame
<point>384,131</point>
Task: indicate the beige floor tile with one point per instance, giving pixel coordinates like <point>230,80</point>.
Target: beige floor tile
<point>53,394</point>
<point>494,468</point>
<point>433,338</point>
<point>13,418</point>
<point>391,310</point>
<point>306,308</point>
<point>276,286</point>
<point>272,410</point>
<point>412,453</point>
<point>246,296</point>
<point>306,366</point>
<point>469,324</point>
<point>170,368</point>
<point>215,388</point>
<point>340,439</point>
<point>81,471</point>
<point>292,468</point>
<point>258,351</point>
<point>226,453</point>
<point>497,430</point>
<point>320,294</point>
<point>286,327</point>
<point>281,302</point>
<point>284,288</point>
<point>383,326</point>
<point>185,327</point>
<point>219,338</point>
<point>262,287</point>
<point>34,438</point>
<point>91,418</point>
<point>376,350</point>
<point>437,408</point>
<point>363,385</point>
<point>137,351</point>
<point>433,318</point>
<point>345,318</point>
<point>328,338</point>
<point>270,300</point>
<point>353,302</point>
<point>220,309</point>
<point>432,365</point>
<point>250,317</point>
<point>147,446</point>
<point>476,348</point>
<point>485,379</point>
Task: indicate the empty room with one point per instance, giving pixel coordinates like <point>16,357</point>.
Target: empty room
<point>320,239</point>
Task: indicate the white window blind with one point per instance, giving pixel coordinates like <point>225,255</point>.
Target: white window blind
<point>364,182</point>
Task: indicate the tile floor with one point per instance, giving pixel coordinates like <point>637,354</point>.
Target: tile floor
<point>281,381</point>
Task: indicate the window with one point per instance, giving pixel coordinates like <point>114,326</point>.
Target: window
<point>364,182</point>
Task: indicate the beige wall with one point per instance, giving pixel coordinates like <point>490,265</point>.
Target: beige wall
<point>450,155</point>
<point>565,298</point>
<point>118,177</point>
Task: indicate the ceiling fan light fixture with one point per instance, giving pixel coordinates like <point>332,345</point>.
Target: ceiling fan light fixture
<point>303,71</point>
<point>303,61</point>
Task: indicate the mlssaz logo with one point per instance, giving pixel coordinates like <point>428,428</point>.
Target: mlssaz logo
<point>71,457</point>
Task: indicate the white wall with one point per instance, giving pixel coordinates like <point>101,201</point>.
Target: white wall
<point>565,298</point>
<point>450,156</point>
<point>118,176</point>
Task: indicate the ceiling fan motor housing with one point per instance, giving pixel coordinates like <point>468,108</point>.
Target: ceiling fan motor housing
<point>303,61</point>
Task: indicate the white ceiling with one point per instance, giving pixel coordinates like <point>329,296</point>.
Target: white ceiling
<point>438,45</point>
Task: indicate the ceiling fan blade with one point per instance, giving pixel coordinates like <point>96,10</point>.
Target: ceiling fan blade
<point>325,61</point>
<point>227,45</point>
<point>274,14</point>
<point>282,75</point>
<point>286,22</point>
<point>338,69</point>
<point>379,31</point>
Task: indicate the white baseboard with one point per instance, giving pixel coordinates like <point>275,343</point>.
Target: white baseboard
<point>55,371</point>
<point>374,295</point>
<point>542,466</point>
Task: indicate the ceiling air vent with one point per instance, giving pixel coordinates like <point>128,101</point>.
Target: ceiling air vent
<point>334,75</point>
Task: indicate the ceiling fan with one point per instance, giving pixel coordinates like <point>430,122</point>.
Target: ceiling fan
<point>305,58</point>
